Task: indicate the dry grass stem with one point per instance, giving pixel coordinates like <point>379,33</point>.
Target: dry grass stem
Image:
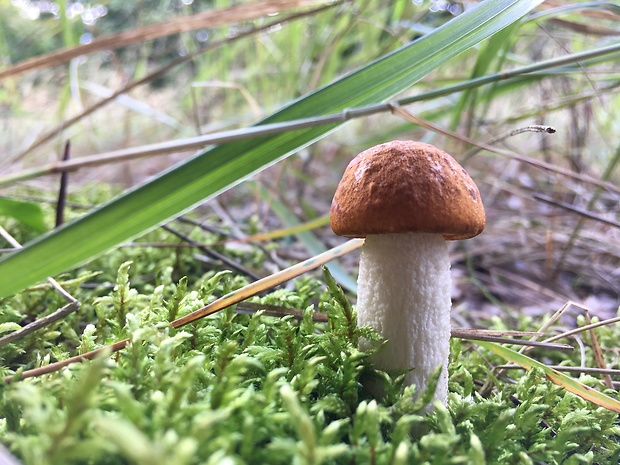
<point>607,322</point>
<point>232,298</point>
<point>62,312</point>
<point>579,211</point>
<point>40,323</point>
<point>55,132</point>
<point>488,385</point>
<point>568,369</point>
<point>400,111</point>
<point>206,19</point>
<point>596,349</point>
<point>480,336</point>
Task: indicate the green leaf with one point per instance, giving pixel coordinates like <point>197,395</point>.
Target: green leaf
<point>222,167</point>
<point>309,239</point>
<point>9,327</point>
<point>27,213</point>
<point>494,50</point>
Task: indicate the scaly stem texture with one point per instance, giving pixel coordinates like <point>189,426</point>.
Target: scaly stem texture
<point>404,294</point>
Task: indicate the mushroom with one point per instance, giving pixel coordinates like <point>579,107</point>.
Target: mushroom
<point>407,198</point>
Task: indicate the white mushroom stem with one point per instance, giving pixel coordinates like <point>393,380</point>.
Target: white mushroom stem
<point>404,294</point>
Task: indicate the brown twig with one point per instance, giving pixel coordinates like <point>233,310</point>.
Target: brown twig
<point>479,335</point>
<point>488,385</point>
<point>40,323</point>
<point>579,211</point>
<point>597,352</point>
<point>62,191</point>
<point>213,254</point>
<point>71,307</point>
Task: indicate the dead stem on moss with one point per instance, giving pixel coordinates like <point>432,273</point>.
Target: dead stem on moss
<point>471,334</point>
<point>602,369</point>
<point>568,369</point>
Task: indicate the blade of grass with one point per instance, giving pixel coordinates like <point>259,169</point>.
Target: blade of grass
<point>211,172</point>
<point>308,238</point>
<point>28,213</point>
<point>570,384</point>
<point>490,52</point>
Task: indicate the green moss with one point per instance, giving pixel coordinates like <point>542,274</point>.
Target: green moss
<point>238,388</point>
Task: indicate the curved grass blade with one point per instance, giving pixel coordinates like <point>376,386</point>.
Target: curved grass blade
<point>570,384</point>
<point>213,171</point>
<point>309,239</point>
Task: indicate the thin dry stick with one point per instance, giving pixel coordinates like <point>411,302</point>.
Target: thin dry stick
<point>68,297</point>
<point>400,111</point>
<point>213,254</point>
<point>221,303</point>
<point>584,328</point>
<point>598,353</point>
<point>579,211</point>
<point>40,323</point>
<point>269,282</point>
<point>488,385</point>
<point>479,335</point>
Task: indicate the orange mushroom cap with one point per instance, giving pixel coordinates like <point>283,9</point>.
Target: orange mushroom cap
<point>406,186</point>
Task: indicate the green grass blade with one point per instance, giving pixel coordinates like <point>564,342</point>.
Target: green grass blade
<point>28,213</point>
<point>213,171</point>
<point>309,239</point>
<point>570,384</point>
<point>493,50</point>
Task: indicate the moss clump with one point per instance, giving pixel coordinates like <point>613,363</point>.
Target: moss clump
<point>237,389</point>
